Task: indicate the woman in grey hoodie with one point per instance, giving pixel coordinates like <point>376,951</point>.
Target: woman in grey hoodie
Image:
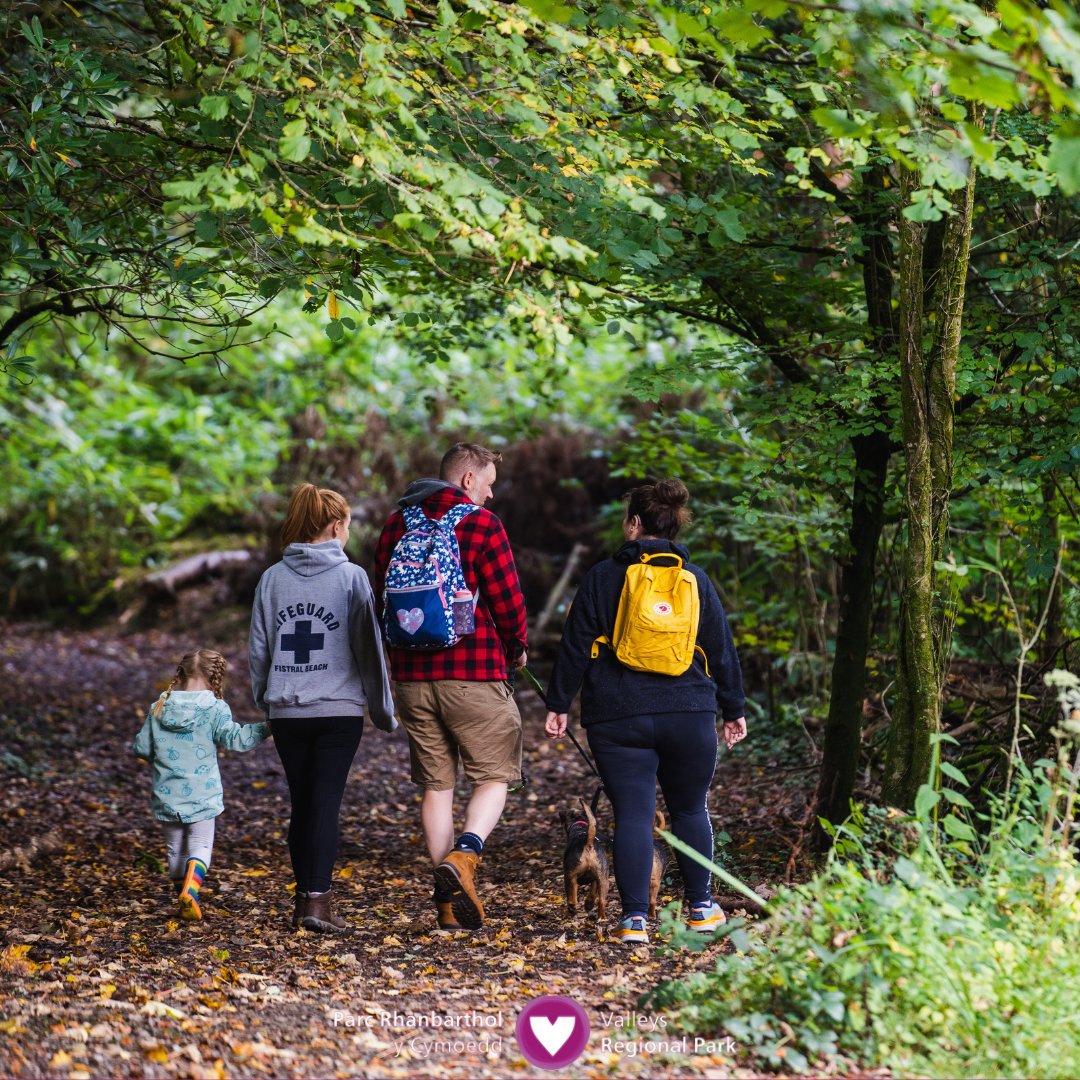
<point>316,658</point>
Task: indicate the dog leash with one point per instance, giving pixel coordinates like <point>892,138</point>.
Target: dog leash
<point>580,749</point>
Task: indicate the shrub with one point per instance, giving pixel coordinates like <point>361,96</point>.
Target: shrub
<point>929,953</point>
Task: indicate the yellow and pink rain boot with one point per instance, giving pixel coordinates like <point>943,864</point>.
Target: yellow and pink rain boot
<point>189,890</point>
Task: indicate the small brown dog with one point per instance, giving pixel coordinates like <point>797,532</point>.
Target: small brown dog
<point>585,860</point>
<point>660,855</point>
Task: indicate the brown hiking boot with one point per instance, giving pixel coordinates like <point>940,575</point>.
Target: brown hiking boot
<point>318,917</point>
<point>455,877</point>
<point>447,920</point>
<point>299,908</point>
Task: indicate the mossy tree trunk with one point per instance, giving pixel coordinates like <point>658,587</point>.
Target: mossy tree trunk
<point>929,344</point>
<point>843,725</point>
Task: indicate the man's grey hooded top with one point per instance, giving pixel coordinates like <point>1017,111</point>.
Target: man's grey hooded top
<point>316,646</point>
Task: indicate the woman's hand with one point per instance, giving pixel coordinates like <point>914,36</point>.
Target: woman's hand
<point>555,724</point>
<point>734,731</point>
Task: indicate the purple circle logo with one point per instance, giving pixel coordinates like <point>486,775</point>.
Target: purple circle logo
<point>552,1032</point>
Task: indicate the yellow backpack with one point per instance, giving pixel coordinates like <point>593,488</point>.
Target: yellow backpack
<point>657,622</point>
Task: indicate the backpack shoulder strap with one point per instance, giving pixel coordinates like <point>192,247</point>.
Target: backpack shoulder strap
<point>456,514</point>
<point>414,517</point>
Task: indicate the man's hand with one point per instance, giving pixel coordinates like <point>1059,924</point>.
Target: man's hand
<point>734,731</point>
<point>522,660</point>
<point>555,724</point>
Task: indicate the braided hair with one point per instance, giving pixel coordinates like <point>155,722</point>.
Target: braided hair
<point>204,663</point>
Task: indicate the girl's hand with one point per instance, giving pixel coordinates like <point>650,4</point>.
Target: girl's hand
<point>734,731</point>
<point>555,724</point>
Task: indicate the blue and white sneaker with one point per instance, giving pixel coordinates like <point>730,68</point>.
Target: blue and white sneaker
<point>632,930</point>
<point>706,918</point>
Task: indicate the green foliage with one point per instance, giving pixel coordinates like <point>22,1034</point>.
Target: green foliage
<point>930,953</point>
<point>190,160</point>
<point>108,466</point>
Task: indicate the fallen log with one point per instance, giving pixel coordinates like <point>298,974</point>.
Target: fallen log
<point>165,582</point>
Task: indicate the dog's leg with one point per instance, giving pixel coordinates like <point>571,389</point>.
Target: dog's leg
<point>571,894</point>
<point>601,897</point>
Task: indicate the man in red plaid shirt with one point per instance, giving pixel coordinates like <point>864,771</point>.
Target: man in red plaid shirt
<point>456,704</point>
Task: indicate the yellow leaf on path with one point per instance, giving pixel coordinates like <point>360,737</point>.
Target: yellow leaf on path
<point>159,1008</point>
<point>256,872</point>
<point>60,1060</point>
<point>13,958</point>
<point>345,872</point>
<point>158,1053</point>
<point>391,940</point>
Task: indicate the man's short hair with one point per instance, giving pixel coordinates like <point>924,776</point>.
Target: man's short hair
<point>466,457</point>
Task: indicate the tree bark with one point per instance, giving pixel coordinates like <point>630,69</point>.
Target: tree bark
<point>843,725</point>
<point>928,391</point>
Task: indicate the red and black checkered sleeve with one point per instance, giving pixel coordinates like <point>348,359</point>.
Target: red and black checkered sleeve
<point>497,577</point>
<point>393,531</point>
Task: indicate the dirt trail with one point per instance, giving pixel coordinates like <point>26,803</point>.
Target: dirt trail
<point>98,978</point>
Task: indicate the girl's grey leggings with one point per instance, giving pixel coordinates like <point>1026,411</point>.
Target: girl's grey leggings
<point>191,841</point>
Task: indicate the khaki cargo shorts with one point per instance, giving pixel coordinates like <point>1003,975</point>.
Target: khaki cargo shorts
<point>452,720</point>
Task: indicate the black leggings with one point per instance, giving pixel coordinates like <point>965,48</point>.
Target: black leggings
<point>634,752</point>
<point>317,753</point>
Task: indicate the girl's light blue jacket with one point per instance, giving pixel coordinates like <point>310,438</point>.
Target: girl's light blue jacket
<point>181,744</point>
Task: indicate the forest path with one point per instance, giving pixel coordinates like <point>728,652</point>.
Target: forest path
<point>98,978</point>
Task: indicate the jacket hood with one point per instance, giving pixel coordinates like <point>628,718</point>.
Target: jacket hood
<point>182,707</point>
<point>632,550</point>
<point>420,490</point>
<point>307,560</point>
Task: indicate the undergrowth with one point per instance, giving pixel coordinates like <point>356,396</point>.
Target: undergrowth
<point>923,945</point>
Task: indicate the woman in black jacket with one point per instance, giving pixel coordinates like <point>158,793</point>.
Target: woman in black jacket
<point>644,726</point>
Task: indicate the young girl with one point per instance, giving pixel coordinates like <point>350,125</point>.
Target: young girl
<point>179,738</point>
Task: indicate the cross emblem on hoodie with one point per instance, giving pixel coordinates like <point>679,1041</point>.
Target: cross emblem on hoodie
<point>302,642</point>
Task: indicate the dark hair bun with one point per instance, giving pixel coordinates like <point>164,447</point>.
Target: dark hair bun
<point>671,492</point>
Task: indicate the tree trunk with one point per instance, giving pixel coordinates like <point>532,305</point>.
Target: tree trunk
<point>928,390</point>
<point>843,727</point>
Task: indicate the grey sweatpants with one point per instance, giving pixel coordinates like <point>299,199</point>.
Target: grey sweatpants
<point>191,841</point>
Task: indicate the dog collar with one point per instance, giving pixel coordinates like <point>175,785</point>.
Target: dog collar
<point>580,821</point>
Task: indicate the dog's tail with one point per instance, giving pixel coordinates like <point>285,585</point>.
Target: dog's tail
<point>590,817</point>
<point>659,821</point>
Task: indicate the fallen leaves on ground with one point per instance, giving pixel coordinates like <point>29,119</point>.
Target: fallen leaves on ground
<point>101,978</point>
